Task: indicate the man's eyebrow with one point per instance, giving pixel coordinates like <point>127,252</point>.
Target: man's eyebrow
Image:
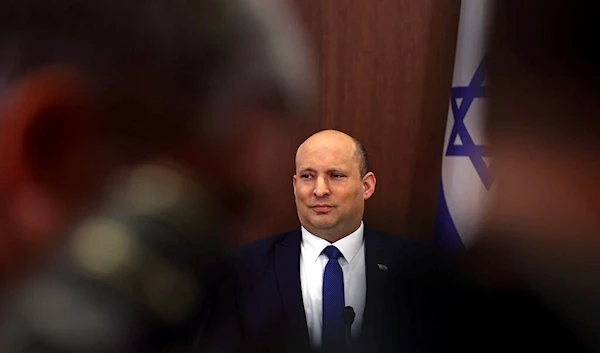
<point>330,171</point>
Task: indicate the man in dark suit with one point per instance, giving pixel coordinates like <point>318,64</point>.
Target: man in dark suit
<point>292,289</point>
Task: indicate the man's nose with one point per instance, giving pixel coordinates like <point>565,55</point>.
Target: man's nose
<point>321,187</point>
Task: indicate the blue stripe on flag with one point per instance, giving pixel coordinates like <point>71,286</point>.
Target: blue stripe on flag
<point>445,234</point>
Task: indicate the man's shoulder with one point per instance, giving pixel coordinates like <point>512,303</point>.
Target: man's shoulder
<point>409,253</point>
<point>259,249</point>
<point>256,260</point>
<point>398,243</point>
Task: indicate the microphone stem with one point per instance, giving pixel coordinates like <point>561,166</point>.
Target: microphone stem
<point>348,336</point>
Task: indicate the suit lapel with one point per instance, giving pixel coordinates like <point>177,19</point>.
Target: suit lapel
<point>376,263</point>
<point>287,268</point>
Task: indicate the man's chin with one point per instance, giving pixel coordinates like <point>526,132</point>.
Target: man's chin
<point>324,225</point>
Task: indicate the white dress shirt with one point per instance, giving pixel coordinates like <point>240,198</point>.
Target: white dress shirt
<point>312,266</point>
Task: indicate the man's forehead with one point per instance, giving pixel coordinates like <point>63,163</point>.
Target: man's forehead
<point>325,158</point>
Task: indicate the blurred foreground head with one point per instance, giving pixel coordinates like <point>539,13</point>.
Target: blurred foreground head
<point>87,87</point>
<point>544,130</point>
<point>187,99</point>
<point>543,126</point>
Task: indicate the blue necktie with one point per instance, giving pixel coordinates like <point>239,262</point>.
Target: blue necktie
<point>333,333</point>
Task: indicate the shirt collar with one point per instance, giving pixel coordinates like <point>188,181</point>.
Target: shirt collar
<point>313,246</point>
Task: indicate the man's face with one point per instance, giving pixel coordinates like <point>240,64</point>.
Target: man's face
<point>328,188</point>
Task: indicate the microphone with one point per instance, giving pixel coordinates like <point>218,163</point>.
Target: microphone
<point>348,316</point>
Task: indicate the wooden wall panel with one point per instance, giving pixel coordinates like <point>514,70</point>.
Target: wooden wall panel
<point>385,70</point>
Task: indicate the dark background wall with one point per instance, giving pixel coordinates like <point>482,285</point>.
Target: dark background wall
<point>385,71</point>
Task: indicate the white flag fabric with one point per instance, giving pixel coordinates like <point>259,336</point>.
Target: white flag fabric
<point>466,180</point>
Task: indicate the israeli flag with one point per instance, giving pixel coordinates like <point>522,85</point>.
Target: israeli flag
<point>466,180</point>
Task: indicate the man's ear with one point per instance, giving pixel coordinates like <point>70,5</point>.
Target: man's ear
<point>294,180</point>
<point>45,146</point>
<point>369,182</point>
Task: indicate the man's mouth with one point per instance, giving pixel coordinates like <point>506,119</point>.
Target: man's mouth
<point>321,208</point>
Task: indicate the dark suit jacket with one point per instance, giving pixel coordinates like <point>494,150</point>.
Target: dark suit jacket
<point>261,310</point>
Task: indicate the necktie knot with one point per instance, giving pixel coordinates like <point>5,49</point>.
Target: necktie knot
<point>332,252</point>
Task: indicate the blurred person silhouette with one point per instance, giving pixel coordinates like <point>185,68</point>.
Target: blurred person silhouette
<point>131,132</point>
<point>538,253</point>
<point>333,284</point>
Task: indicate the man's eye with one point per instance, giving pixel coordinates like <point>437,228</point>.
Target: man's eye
<point>337,176</point>
<point>305,176</point>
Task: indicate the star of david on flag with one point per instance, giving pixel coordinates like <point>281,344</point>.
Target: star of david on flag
<point>468,148</point>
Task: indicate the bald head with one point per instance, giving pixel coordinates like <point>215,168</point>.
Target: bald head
<point>337,138</point>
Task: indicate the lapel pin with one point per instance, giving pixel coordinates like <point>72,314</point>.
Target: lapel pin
<point>382,267</point>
